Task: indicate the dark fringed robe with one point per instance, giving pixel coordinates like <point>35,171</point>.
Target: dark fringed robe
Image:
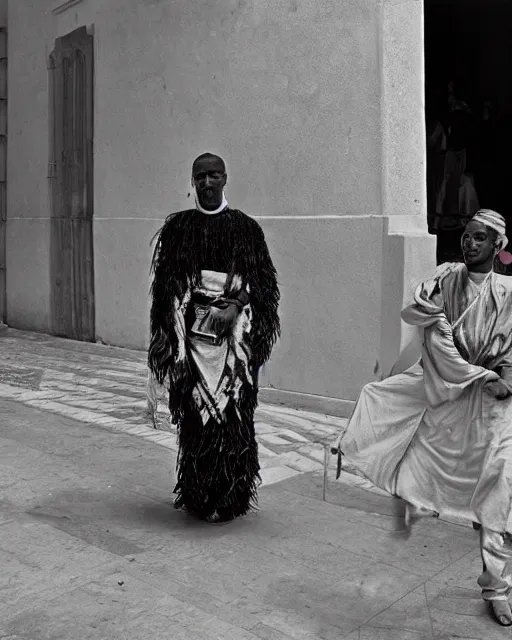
<point>218,468</point>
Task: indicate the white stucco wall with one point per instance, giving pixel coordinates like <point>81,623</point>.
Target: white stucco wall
<point>293,96</point>
<point>27,250</point>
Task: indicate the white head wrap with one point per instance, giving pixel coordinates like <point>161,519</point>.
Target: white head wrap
<point>493,220</point>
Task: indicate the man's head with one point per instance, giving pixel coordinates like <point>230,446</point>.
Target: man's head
<point>482,239</point>
<point>209,179</point>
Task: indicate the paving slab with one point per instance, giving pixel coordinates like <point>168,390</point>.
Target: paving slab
<point>90,546</point>
<point>106,386</point>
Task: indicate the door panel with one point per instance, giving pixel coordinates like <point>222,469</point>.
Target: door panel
<point>72,262</point>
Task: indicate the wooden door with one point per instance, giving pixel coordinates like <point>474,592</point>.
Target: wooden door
<point>71,174</point>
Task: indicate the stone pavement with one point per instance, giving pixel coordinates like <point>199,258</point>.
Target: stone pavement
<point>106,386</point>
<point>91,549</point>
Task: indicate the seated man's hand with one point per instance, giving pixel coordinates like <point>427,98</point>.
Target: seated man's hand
<point>498,389</point>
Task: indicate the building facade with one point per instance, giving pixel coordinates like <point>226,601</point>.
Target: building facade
<point>318,109</point>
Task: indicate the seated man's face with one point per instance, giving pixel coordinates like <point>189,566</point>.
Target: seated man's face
<point>209,180</point>
<point>477,244</point>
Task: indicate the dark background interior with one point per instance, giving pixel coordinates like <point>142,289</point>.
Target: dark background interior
<point>469,43</point>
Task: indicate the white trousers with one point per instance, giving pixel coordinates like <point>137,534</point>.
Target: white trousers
<point>496,578</point>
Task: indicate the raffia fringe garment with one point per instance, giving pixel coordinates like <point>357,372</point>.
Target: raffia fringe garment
<point>202,260</point>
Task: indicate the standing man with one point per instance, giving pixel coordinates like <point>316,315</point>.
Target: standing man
<point>214,322</point>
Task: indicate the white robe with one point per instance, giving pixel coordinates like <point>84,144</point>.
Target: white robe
<point>432,435</point>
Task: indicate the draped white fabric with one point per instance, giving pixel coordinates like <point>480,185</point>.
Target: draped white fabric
<point>220,367</point>
<point>433,435</point>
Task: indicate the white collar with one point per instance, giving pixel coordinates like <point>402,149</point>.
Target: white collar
<point>223,205</point>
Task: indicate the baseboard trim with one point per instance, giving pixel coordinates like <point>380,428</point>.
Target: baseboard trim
<point>309,402</point>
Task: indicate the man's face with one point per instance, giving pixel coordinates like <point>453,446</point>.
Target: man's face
<point>209,178</point>
<point>477,244</point>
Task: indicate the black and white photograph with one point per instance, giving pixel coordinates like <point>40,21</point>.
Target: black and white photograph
<point>255,320</point>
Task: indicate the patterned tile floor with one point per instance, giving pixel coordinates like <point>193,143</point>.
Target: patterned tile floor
<point>106,386</point>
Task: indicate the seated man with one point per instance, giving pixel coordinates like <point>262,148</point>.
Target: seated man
<point>439,435</point>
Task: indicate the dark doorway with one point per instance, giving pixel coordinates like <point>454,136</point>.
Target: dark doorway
<point>468,66</point>
<point>71,173</point>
